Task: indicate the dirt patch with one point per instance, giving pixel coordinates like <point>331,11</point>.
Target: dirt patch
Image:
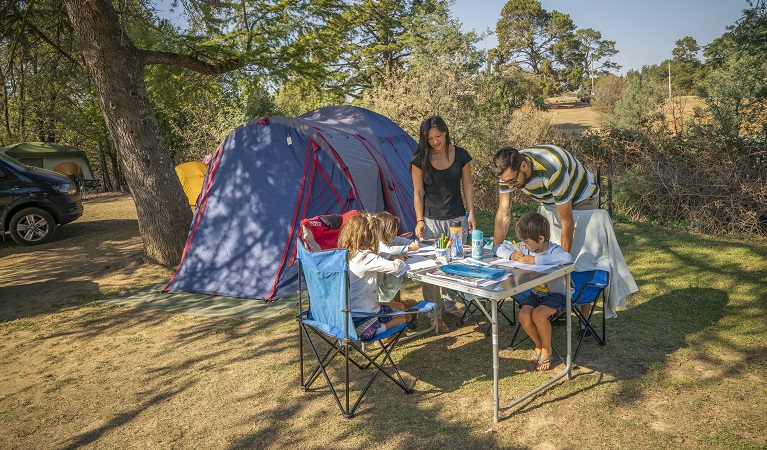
<point>99,254</point>
<point>571,116</point>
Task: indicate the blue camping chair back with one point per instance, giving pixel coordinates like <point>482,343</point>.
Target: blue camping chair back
<point>588,285</point>
<point>325,275</point>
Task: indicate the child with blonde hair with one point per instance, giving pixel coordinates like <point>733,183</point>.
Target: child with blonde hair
<point>392,247</point>
<point>361,236</point>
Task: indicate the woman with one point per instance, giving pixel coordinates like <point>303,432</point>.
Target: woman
<point>441,171</point>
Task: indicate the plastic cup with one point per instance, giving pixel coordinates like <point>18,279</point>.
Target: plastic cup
<point>443,255</point>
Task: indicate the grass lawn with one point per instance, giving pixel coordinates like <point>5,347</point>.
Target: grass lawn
<point>684,367</point>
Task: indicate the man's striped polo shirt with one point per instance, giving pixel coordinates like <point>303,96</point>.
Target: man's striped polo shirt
<point>557,177</point>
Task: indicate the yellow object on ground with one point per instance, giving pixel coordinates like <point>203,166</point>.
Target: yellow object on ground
<point>191,175</point>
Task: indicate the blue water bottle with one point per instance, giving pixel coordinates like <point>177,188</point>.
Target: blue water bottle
<point>477,243</point>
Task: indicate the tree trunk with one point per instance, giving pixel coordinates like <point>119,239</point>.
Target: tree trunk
<point>117,70</point>
<point>106,180</point>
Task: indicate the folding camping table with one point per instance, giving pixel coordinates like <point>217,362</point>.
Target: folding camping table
<point>518,281</point>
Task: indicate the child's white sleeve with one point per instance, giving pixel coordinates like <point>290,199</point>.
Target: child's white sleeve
<point>504,250</point>
<point>377,263</point>
<point>556,255</point>
<point>393,248</point>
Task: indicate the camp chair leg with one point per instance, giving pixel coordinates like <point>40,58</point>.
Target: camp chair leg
<point>347,408</point>
<point>300,355</point>
<point>323,362</point>
<point>386,351</point>
<point>588,328</point>
<point>321,367</point>
<point>512,345</point>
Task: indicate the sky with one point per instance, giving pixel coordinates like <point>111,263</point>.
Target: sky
<point>645,31</point>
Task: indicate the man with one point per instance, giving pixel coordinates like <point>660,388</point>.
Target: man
<point>549,175</point>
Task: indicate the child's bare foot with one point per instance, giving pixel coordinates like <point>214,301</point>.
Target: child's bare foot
<point>544,363</point>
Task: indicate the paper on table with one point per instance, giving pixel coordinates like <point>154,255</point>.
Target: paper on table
<point>519,265</point>
<point>416,261</point>
<point>424,250</point>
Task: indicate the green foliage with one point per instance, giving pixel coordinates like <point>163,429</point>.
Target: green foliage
<point>609,90</point>
<point>196,112</point>
<point>47,94</point>
<point>440,79</point>
<point>638,106</point>
<point>443,77</point>
<point>527,34</point>
<point>379,36</point>
<point>585,56</point>
<point>686,69</point>
<point>686,50</point>
<point>735,94</point>
<point>548,44</point>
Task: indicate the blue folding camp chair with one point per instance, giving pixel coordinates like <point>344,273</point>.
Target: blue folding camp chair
<point>328,319</point>
<point>589,287</point>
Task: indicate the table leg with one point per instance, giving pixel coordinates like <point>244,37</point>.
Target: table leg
<point>569,308</point>
<point>494,326</point>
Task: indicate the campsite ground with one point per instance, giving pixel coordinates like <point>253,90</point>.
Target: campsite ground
<point>684,366</point>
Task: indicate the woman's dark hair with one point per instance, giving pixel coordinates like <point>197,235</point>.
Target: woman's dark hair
<point>423,152</point>
<point>507,158</point>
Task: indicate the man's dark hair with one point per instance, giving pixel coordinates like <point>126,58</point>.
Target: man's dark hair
<point>506,158</point>
<point>532,225</point>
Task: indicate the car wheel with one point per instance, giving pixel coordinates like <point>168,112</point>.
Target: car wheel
<point>32,226</point>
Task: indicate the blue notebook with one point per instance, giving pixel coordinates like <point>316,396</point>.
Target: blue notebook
<point>472,271</point>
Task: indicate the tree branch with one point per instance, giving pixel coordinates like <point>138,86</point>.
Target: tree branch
<point>190,62</point>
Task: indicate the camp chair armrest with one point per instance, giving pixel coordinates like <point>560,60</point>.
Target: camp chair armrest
<point>420,307</point>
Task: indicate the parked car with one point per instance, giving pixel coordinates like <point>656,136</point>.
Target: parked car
<point>34,201</point>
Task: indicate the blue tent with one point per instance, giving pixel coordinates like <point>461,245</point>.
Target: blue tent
<point>272,172</point>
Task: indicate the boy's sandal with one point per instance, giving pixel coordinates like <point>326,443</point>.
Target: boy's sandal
<point>542,362</point>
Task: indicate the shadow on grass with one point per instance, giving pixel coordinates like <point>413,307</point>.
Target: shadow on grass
<point>123,418</point>
<point>644,336</point>
<point>21,300</point>
<point>386,414</point>
<point>640,339</point>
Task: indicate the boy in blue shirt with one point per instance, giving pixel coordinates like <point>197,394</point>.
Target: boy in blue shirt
<point>533,231</point>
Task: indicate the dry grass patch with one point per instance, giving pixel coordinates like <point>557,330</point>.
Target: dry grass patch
<point>684,366</point>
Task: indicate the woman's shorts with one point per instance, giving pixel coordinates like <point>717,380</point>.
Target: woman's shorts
<point>555,301</point>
